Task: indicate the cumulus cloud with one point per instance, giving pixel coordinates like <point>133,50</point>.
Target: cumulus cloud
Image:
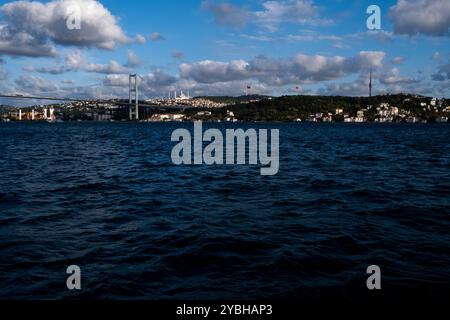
<point>358,87</point>
<point>380,35</point>
<point>271,15</point>
<point>3,73</point>
<point>76,62</point>
<point>279,72</point>
<point>428,17</point>
<point>133,60</point>
<point>56,69</point>
<point>178,55</point>
<point>398,60</point>
<point>34,28</point>
<point>156,36</point>
<point>34,84</point>
<point>140,39</point>
<point>213,71</point>
<point>313,37</point>
<point>230,88</point>
<point>443,73</point>
<point>436,56</point>
<point>292,11</point>
<point>158,78</point>
<point>392,76</point>
<point>345,89</point>
<point>386,81</point>
<point>227,14</point>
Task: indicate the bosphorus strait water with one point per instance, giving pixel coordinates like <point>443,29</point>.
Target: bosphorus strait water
<point>107,197</point>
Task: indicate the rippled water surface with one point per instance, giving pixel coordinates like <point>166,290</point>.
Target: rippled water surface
<point>107,197</point>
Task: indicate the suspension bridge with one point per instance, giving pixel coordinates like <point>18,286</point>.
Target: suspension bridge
<point>135,108</point>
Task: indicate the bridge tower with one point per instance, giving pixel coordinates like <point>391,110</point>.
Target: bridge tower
<point>134,97</point>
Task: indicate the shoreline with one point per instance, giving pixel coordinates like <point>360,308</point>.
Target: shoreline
<point>226,122</point>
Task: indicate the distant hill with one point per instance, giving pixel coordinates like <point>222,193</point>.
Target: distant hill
<point>288,108</point>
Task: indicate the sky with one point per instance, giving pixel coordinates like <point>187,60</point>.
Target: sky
<point>213,47</point>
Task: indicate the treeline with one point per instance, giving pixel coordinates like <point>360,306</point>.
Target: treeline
<point>289,108</point>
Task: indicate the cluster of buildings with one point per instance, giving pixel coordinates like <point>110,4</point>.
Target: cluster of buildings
<point>205,103</point>
<point>80,110</point>
<point>201,115</point>
<point>339,115</point>
<point>34,114</point>
<point>386,113</point>
<point>187,101</point>
<point>166,118</point>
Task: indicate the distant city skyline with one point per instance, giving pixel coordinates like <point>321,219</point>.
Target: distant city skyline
<point>223,48</point>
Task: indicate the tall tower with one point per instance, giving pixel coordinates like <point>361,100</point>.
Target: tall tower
<point>370,84</point>
<point>134,97</point>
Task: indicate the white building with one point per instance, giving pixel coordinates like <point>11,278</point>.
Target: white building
<point>394,111</point>
<point>433,102</point>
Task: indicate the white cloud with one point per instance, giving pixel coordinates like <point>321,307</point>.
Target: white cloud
<point>56,69</point>
<point>227,14</point>
<point>178,55</point>
<point>3,73</point>
<point>156,36</point>
<point>140,39</point>
<point>392,76</point>
<point>133,60</point>
<point>443,73</point>
<point>229,88</point>
<point>34,84</point>
<point>380,35</point>
<point>345,89</point>
<point>436,56</point>
<point>428,17</point>
<point>68,81</point>
<point>271,15</point>
<point>313,37</point>
<point>291,11</point>
<point>76,62</point>
<point>212,71</point>
<point>34,28</point>
<point>398,60</point>
<point>19,43</point>
<point>279,72</point>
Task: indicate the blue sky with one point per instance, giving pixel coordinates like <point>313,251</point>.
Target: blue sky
<point>219,47</point>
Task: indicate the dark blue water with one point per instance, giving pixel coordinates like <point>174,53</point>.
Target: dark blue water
<point>107,197</point>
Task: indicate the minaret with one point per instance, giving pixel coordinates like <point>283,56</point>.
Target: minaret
<point>370,84</point>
